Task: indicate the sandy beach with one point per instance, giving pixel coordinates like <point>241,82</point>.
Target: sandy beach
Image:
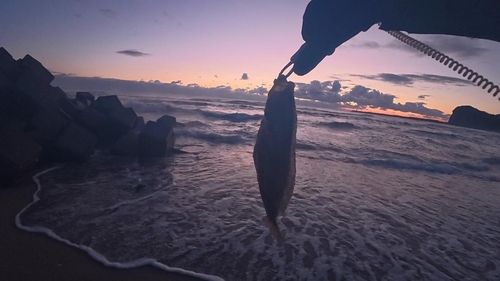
<point>34,256</point>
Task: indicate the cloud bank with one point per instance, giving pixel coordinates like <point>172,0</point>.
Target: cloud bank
<point>453,46</point>
<point>410,79</point>
<point>360,97</point>
<point>331,94</point>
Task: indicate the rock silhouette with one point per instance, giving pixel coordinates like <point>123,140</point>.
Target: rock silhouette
<point>470,117</point>
<point>40,123</point>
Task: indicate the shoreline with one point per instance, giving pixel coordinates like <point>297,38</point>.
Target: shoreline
<point>35,256</point>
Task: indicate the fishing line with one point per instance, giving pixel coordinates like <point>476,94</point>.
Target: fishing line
<point>284,69</point>
<point>468,73</point>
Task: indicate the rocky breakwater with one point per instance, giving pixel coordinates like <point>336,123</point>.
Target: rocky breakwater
<point>39,123</point>
<point>470,117</point>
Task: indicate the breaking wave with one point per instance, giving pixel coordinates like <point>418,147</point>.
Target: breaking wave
<point>435,167</point>
<point>403,165</point>
<point>213,138</point>
<point>233,117</point>
<point>247,103</point>
<point>152,106</point>
<point>441,135</point>
<point>195,124</point>
<point>194,103</point>
<point>338,125</point>
<point>492,160</point>
<point>305,146</point>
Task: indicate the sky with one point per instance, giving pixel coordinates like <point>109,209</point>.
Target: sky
<point>240,46</point>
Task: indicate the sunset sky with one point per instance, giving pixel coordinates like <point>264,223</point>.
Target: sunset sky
<point>241,44</point>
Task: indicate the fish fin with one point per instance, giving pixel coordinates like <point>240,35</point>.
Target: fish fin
<point>273,228</point>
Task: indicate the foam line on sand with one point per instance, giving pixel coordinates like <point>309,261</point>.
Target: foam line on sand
<point>94,254</point>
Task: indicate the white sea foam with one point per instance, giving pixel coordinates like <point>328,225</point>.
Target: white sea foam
<point>94,254</point>
<point>128,202</point>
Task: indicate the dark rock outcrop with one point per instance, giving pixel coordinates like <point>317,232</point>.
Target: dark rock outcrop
<point>36,119</point>
<point>126,145</point>
<point>470,117</point>
<point>85,97</point>
<point>37,69</point>
<point>39,123</point>
<point>68,107</point>
<point>81,104</point>
<point>107,104</point>
<point>76,143</point>
<point>167,120</point>
<point>8,66</point>
<point>155,140</point>
<point>53,98</point>
<point>47,125</point>
<point>123,119</point>
<point>107,119</point>
<point>139,124</point>
<point>97,123</point>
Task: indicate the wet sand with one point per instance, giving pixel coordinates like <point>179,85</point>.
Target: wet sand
<point>35,256</point>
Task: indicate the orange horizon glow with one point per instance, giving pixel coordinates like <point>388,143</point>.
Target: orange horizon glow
<point>395,113</point>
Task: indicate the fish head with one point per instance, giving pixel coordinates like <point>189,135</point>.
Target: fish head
<point>281,91</point>
<point>280,106</point>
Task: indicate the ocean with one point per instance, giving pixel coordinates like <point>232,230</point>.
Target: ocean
<point>376,198</point>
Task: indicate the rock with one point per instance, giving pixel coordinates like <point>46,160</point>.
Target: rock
<point>126,145</point>
<point>107,104</point>
<point>86,102</point>
<point>167,120</point>
<point>24,85</point>
<point>53,98</point>
<point>139,124</point>
<point>85,96</point>
<point>99,124</point>
<point>5,85</point>
<point>37,69</point>
<point>80,105</point>
<point>48,125</point>
<point>19,107</point>
<point>63,114</point>
<point>76,143</point>
<point>30,86</point>
<point>108,129</point>
<point>468,116</point>
<point>106,118</point>
<point>18,153</point>
<point>7,123</point>
<point>123,119</point>
<point>8,65</point>
<point>68,107</point>
<point>12,101</point>
<point>155,140</point>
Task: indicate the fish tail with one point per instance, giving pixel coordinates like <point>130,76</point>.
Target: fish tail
<point>273,227</point>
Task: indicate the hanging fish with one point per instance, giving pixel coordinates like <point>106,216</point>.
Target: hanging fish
<point>274,152</point>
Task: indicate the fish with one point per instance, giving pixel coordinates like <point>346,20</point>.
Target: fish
<point>274,152</point>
